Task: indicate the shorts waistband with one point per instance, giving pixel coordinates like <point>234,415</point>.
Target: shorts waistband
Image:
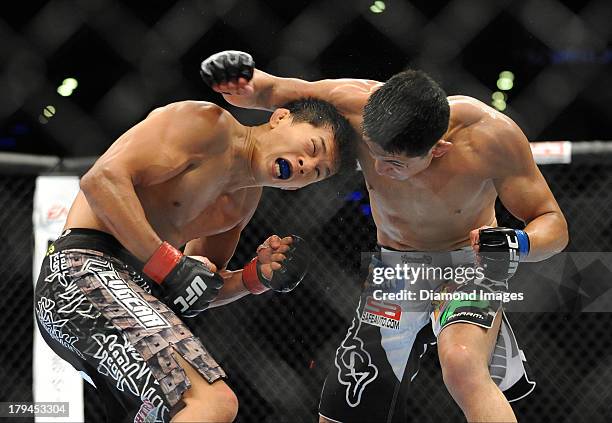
<point>92,239</point>
<point>392,257</point>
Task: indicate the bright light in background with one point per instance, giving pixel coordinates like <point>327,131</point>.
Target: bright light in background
<point>505,81</point>
<point>47,113</point>
<point>378,7</point>
<point>67,87</point>
<point>71,83</point>
<point>499,100</point>
<point>498,95</point>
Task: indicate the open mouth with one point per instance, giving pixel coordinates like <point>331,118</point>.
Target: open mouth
<point>282,169</point>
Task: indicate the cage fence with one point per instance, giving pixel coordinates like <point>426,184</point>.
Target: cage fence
<point>277,349</point>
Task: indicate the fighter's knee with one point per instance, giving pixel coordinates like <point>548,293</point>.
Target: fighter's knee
<point>218,404</point>
<point>462,369</point>
<point>225,402</point>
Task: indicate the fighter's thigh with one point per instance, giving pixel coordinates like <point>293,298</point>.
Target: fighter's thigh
<point>468,343</point>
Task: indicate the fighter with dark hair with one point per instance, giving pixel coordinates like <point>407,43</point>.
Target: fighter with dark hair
<point>113,286</point>
<point>434,166</point>
<point>407,115</point>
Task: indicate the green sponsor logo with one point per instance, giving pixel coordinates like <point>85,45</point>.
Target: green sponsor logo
<point>454,305</point>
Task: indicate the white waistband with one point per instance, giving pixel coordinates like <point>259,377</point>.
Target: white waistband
<point>392,258</point>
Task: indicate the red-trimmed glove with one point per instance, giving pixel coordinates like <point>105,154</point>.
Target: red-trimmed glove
<point>292,271</point>
<point>189,286</point>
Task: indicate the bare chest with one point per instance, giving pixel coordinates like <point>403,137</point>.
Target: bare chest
<point>194,204</point>
<point>437,199</point>
<point>223,214</point>
<point>429,213</point>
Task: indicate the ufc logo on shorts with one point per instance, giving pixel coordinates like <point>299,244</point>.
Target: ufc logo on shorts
<point>193,292</point>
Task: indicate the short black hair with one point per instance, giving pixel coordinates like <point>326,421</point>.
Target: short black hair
<point>407,115</point>
<point>320,113</point>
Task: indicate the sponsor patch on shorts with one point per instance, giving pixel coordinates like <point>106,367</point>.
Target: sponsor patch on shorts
<point>147,413</point>
<point>124,295</point>
<point>382,314</point>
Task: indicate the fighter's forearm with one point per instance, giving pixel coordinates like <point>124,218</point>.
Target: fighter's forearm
<point>113,199</point>
<point>233,288</point>
<point>269,92</point>
<point>547,236</point>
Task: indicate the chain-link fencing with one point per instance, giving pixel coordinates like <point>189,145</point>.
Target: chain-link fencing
<point>277,349</point>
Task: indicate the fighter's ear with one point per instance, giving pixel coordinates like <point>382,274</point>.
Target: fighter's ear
<point>441,148</point>
<point>278,115</point>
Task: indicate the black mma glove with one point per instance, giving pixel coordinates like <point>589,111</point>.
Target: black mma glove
<point>500,250</point>
<point>292,271</point>
<point>189,286</point>
<point>227,66</point>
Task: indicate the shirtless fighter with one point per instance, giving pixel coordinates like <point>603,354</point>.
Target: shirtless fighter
<point>189,174</point>
<point>433,168</point>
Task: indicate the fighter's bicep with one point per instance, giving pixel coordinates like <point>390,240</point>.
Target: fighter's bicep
<point>518,180</point>
<point>150,169</point>
<point>526,196</point>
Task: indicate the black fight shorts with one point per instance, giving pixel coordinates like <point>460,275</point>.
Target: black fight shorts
<point>379,357</point>
<point>96,311</point>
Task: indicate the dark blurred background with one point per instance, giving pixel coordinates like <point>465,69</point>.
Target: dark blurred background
<point>128,57</point>
<point>75,75</point>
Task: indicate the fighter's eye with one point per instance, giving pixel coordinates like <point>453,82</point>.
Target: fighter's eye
<point>314,148</point>
<point>395,163</point>
<point>318,172</point>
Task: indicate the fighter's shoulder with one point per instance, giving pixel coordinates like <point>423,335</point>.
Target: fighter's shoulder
<point>490,131</point>
<point>200,110</point>
<point>197,123</point>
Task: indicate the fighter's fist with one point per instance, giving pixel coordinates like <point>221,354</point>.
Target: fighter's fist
<point>475,237</point>
<point>499,251</point>
<point>206,262</point>
<point>190,284</point>
<point>229,72</point>
<point>271,254</point>
<point>280,265</point>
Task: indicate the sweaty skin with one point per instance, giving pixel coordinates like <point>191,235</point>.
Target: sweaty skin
<point>191,174</point>
<point>438,203</point>
<point>484,154</point>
